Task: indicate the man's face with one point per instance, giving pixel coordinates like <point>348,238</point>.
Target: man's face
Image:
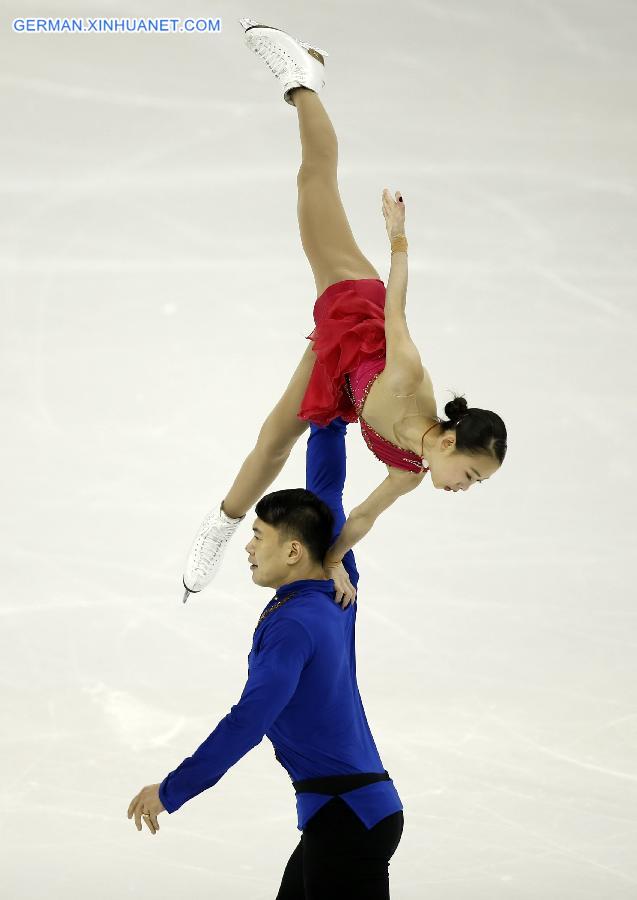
<point>273,561</point>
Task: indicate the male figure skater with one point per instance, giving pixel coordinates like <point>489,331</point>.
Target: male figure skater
<point>302,694</point>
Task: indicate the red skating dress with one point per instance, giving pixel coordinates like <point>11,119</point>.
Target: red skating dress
<point>349,343</point>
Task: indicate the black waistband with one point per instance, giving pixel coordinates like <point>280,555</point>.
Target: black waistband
<point>338,784</point>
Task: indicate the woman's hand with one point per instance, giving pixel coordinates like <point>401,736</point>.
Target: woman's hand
<point>345,591</point>
<point>394,212</point>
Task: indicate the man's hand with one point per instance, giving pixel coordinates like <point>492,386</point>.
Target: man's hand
<point>148,805</point>
<point>345,591</point>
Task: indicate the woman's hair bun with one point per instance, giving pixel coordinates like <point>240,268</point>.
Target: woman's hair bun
<point>477,431</point>
<point>456,408</point>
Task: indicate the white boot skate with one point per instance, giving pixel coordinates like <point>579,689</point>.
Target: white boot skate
<point>207,550</point>
<point>295,63</point>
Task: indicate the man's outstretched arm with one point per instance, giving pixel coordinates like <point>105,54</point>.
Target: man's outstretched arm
<point>325,470</point>
<point>273,675</point>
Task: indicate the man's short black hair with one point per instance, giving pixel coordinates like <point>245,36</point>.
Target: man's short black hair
<point>299,514</point>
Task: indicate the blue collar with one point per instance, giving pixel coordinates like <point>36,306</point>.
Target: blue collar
<point>305,584</point>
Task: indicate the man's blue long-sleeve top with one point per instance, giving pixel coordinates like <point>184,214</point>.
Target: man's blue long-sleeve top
<point>301,690</point>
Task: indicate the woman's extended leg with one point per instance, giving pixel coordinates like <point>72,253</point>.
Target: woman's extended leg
<point>277,436</point>
<point>326,236</point>
<point>333,255</point>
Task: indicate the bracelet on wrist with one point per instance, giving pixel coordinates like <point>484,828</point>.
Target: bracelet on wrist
<point>399,244</point>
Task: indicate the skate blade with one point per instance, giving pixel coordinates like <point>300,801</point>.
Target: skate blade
<point>246,24</point>
<point>188,591</point>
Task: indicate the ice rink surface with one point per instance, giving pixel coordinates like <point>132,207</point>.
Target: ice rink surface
<point>155,301</point>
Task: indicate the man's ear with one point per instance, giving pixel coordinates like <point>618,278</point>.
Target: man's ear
<point>296,551</point>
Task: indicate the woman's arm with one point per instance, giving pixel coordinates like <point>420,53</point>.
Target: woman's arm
<point>396,293</point>
<point>362,517</point>
<point>403,365</point>
<point>353,530</point>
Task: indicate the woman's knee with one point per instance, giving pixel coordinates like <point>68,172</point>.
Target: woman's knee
<point>322,167</point>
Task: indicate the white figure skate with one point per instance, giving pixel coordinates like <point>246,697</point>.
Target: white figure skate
<point>295,63</point>
<point>207,550</point>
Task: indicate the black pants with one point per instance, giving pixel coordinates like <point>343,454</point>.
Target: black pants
<point>339,858</point>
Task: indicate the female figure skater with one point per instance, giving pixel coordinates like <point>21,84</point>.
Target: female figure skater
<point>360,358</point>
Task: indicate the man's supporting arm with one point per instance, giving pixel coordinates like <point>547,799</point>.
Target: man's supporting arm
<point>325,470</point>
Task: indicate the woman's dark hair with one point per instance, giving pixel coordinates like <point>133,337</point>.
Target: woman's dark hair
<point>480,431</point>
<point>297,513</point>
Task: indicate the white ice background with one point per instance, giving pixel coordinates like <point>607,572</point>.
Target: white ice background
<point>155,298</point>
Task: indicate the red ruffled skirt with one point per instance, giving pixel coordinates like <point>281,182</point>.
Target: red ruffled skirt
<point>350,328</point>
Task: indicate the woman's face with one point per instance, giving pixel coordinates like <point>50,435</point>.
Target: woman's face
<point>456,471</point>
